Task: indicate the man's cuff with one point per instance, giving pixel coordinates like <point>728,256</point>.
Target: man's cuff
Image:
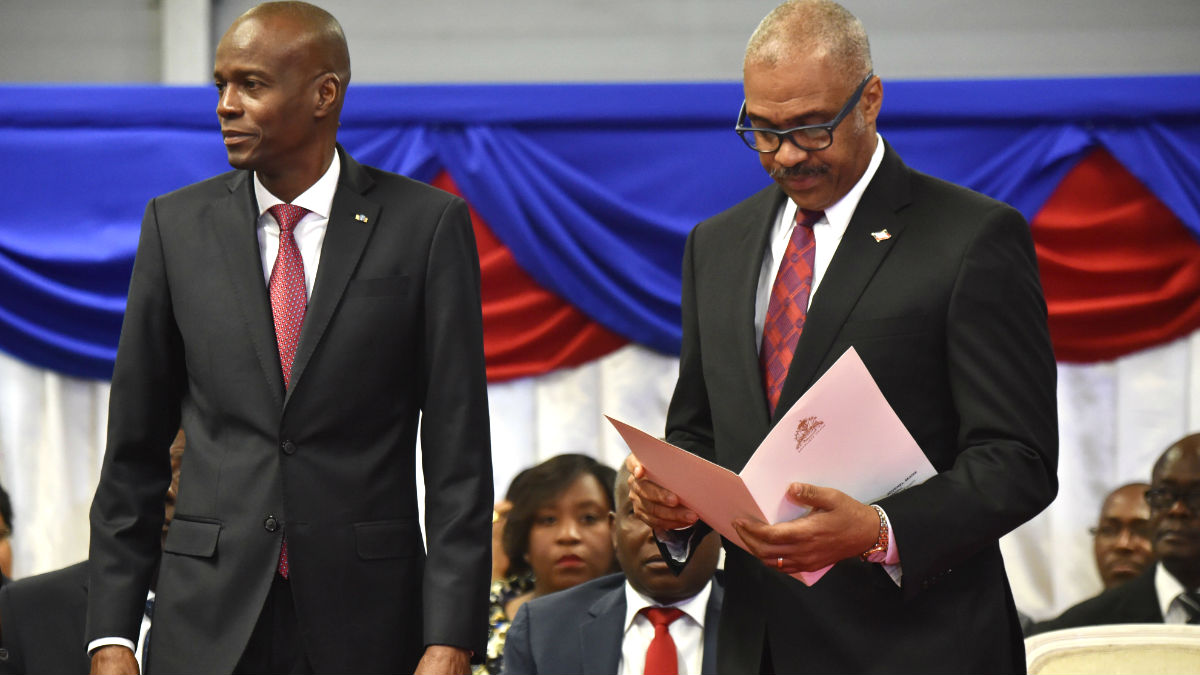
<point>890,559</point>
<point>104,642</point>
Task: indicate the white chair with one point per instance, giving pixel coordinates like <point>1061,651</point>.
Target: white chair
<point>1150,648</point>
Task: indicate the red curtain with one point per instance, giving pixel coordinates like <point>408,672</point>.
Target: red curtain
<point>1120,272</point>
<point>527,330</point>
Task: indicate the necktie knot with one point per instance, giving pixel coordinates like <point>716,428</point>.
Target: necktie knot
<point>662,616</point>
<point>287,215</point>
<point>807,218</point>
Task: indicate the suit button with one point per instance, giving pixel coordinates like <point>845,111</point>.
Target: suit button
<point>3,654</point>
<point>270,524</point>
<point>288,447</point>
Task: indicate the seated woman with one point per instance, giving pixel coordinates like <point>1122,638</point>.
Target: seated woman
<point>557,534</point>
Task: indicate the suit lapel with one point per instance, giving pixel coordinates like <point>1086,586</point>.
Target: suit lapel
<point>603,629</point>
<point>351,220</point>
<point>857,257</point>
<point>235,220</point>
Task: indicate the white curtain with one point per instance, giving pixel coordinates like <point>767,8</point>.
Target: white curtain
<point>1115,418</point>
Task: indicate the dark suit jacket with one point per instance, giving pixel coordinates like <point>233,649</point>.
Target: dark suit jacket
<point>1134,601</point>
<point>948,316</point>
<point>581,629</point>
<point>42,618</point>
<point>393,331</point>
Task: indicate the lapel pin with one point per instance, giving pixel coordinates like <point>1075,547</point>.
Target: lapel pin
<point>881,235</point>
<point>360,217</point>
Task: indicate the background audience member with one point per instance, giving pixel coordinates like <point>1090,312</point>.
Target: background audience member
<point>605,625</point>
<point>558,534</point>
<point>43,616</point>
<point>1121,540</point>
<point>1169,591</point>
<point>6,525</point>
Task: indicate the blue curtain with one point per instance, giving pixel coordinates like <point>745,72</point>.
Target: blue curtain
<point>593,187</point>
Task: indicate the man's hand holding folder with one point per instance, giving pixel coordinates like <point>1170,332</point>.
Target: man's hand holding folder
<point>841,436</point>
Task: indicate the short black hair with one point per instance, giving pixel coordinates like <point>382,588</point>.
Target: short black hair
<point>539,485</point>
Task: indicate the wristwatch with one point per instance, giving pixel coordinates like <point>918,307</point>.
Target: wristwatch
<point>881,544</point>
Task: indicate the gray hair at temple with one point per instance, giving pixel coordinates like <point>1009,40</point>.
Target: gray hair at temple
<point>804,25</point>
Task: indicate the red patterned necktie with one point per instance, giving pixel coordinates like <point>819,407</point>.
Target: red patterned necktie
<point>288,302</point>
<point>788,306</point>
<point>661,658</point>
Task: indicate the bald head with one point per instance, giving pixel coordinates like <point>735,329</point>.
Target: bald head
<point>812,28</point>
<point>314,29</point>
<point>1186,448</point>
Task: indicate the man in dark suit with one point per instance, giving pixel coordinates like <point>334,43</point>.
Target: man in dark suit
<point>44,616</point>
<point>607,625</point>
<point>937,289</point>
<point>299,315</point>
<point>1169,591</point>
<point>43,619</point>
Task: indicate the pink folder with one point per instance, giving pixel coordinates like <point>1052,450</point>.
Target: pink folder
<point>841,434</point>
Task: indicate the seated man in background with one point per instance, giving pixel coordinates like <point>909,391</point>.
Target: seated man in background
<point>1169,591</point>
<point>1121,540</point>
<point>43,616</point>
<point>644,620</point>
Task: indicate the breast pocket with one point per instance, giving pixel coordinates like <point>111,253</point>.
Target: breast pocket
<point>381,287</point>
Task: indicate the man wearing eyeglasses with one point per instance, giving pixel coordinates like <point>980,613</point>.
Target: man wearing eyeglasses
<point>937,289</point>
<point>1169,591</point>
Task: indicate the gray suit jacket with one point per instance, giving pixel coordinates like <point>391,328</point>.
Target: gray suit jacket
<point>580,630</point>
<point>393,334</point>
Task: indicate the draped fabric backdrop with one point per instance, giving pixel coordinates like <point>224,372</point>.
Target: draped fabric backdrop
<point>583,196</point>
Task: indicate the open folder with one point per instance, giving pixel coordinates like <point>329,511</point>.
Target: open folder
<point>841,434</point>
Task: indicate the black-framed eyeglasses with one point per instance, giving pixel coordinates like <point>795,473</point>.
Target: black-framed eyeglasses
<point>810,137</point>
<point>1163,498</point>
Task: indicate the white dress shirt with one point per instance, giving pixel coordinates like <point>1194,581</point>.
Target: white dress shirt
<point>687,631</point>
<point>1168,589</point>
<point>309,232</point>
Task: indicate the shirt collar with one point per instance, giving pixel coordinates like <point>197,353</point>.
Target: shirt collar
<point>839,214</point>
<point>1166,587</point>
<point>695,607</point>
<point>318,198</point>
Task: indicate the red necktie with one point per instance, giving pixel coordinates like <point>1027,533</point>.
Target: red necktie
<point>288,302</point>
<point>788,306</point>
<point>661,658</point>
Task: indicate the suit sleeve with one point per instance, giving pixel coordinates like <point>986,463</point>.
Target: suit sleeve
<point>518,654</point>
<point>1001,374</point>
<point>689,418</point>
<point>455,442</point>
<point>143,417</point>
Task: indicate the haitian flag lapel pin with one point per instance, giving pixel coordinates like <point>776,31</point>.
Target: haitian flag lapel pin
<point>881,235</point>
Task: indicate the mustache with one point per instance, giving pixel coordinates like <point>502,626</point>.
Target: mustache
<point>798,171</point>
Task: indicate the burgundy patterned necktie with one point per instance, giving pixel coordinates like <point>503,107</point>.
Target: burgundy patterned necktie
<point>288,303</point>
<point>788,306</point>
<point>661,655</point>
